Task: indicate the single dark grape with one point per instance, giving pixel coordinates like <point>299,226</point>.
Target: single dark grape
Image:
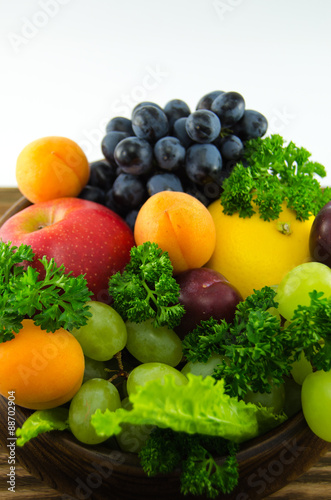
<point>252,125</point>
<point>145,103</point>
<point>175,109</point>
<point>169,153</point>
<point>150,123</point>
<point>229,107</point>
<point>129,191</point>
<point>163,182</point>
<point>92,193</point>
<point>203,126</point>
<point>206,101</point>
<point>134,155</point>
<point>119,124</point>
<point>102,174</point>
<point>231,147</point>
<point>203,164</point>
<point>109,143</point>
<point>179,131</point>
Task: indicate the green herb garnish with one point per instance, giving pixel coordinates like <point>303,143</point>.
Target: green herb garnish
<point>146,288</point>
<point>55,301</point>
<point>258,350</point>
<point>165,450</point>
<point>274,173</point>
<point>311,326</point>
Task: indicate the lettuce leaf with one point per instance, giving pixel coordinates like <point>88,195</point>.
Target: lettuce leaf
<point>42,421</point>
<point>199,407</point>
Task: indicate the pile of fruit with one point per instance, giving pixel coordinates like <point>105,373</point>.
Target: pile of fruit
<point>188,266</point>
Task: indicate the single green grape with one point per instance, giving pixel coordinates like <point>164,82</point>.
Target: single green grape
<point>94,394</point>
<point>295,287</point>
<point>94,369</point>
<point>149,344</point>
<point>316,403</point>
<point>301,368</point>
<point>152,371</point>
<point>204,369</point>
<point>275,399</point>
<point>105,333</point>
<point>132,437</point>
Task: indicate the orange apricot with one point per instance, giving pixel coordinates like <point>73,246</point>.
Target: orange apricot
<point>44,370</point>
<point>181,225</point>
<point>50,168</point>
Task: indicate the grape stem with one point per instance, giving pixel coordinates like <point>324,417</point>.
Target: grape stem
<point>120,372</point>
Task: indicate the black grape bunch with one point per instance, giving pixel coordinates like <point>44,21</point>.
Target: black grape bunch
<point>172,148</point>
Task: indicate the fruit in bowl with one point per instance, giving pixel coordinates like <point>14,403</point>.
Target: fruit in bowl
<point>204,408</point>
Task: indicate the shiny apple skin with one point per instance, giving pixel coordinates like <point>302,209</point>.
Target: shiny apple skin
<point>205,293</point>
<point>84,236</point>
<point>320,236</point>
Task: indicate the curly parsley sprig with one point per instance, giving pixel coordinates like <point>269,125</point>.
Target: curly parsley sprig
<point>146,288</point>
<point>274,173</point>
<point>311,325</point>
<point>258,351</point>
<point>58,300</point>
<point>165,450</point>
<point>252,344</point>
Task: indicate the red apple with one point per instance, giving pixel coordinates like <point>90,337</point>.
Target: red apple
<point>205,294</point>
<point>86,237</point>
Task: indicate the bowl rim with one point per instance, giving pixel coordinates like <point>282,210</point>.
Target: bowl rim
<point>19,205</point>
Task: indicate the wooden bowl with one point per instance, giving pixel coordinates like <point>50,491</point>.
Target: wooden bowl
<point>266,464</point>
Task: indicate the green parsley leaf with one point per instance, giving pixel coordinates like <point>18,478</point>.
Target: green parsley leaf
<point>311,326</point>
<point>58,300</point>
<point>272,174</point>
<point>146,288</point>
<point>166,450</point>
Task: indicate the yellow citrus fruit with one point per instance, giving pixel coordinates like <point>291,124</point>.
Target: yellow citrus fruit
<point>252,253</point>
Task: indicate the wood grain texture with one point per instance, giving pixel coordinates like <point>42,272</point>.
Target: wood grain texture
<point>8,196</point>
<point>315,483</point>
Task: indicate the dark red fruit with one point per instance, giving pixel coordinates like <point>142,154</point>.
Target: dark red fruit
<point>205,293</point>
<point>320,236</point>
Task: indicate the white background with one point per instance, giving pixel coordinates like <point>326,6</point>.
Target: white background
<point>68,66</point>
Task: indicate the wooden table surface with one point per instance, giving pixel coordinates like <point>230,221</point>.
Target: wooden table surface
<point>314,484</point>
